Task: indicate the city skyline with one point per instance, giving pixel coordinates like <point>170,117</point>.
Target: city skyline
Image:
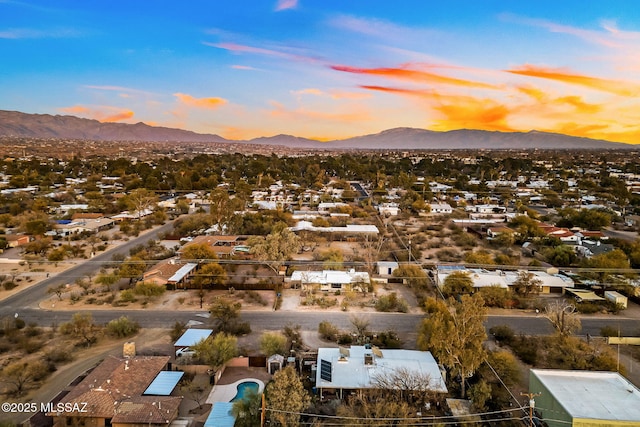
<point>328,70</point>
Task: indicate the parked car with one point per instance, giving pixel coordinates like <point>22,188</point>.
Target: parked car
<point>185,351</point>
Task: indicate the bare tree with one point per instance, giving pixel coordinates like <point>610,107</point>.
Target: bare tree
<point>361,327</point>
<point>406,385</point>
<point>563,317</point>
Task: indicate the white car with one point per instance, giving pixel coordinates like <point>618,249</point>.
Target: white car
<point>185,351</point>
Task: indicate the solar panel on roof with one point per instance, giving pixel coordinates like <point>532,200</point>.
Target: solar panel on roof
<point>325,370</point>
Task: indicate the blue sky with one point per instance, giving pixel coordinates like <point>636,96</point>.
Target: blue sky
<point>328,69</point>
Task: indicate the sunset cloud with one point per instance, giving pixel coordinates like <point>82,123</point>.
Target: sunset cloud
<point>286,4</point>
<point>100,113</point>
<point>206,103</point>
<point>617,87</point>
<point>418,76</point>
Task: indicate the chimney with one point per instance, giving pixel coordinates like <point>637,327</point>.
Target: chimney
<point>129,349</point>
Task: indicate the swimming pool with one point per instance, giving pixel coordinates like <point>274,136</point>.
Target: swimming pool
<point>244,388</point>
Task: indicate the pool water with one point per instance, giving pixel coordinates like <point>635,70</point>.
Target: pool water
<point>244,388</point>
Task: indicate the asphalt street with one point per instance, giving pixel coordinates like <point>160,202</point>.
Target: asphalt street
<point>25,305</point>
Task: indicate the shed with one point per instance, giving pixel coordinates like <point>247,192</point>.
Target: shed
<point>191,337</point>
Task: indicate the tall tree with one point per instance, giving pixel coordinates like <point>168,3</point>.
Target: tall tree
<point>457,283</point>
<point>247,410</point>
<point>286,398</point>
<point>82,326</point>
<point>217,350</point>
<point>224,313</point>
<point>198,251</point>
<point>527,283</point>
<point>273,343</point>
<point>276,247</point>
<point>455,334</point>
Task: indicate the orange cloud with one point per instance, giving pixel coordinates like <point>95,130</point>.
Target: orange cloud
<point>413,75</point>
<point>207,103</point>
<point>118,117</point>
<point>612,86</point>
<point>100,113</point>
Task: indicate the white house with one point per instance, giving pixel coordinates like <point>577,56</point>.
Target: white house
<point>329,279</point>
<point>359,367</point>
<point>441,208</point>
<point>388,209</point>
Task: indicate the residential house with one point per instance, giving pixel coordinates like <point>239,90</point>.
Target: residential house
<point>168,273</point>
<point>123,392</point>
<point>388,209</point>
<point>584,398</point>
<point>493,232</point>
<point>15,240</point>
<point>341,370</point>
<point>386,268</point>
<point>329,279</point>
<point>223,246</point>
<point>551,280</point>
<point>441,208</point>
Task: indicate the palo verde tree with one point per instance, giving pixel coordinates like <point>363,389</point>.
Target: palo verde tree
<point>454,333</point>
<point>563,317</point>
<point>217,350</point>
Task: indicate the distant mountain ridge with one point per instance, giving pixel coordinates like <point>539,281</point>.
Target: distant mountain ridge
<point>17,124</point>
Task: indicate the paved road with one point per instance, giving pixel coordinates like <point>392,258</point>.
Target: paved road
<point>629,236</point>
<point>29,297</point>
<point>401,323</point>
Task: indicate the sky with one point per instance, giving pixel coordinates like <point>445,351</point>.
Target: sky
<point>328,69</point>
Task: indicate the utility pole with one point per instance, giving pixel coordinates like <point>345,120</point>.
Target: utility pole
<point>263,412</point>
<point>532,404</point>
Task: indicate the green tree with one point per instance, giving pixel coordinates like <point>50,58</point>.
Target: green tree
<point>457,283</point>
<point>455,335</point>
<point>527,284</point>
<point>412,274</point>
<point>224,313</point>
<point>247,410</point>
<point>273,343</point>
<point>132,268</point>
<point>217,350</point>
<point>276,247</point>
<point>479,257</point>
<point>286,398</point>
<point>197,251</point>
<point>210,275</point>
<point>122,327</point>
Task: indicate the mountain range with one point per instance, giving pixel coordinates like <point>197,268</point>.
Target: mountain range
<point>17,124</point>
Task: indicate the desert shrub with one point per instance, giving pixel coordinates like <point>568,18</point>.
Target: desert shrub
<point>588,307</point>
<point>608,331</point>
<point>148,289</point>
<point>502,333</point>
<point>30,345</point>
<point>391,302</point>
<point>495,296</point>
<point>328,330</point>
<point>177,330</point>
<point>9,285</point>
<point>388,339</point>
<point>240,328</point>
<point>58,354</point>
<point>526,348</point>
<point>344,339</point>
<point>449,255</point>
<point>122,327</point>
<point>127,296</point>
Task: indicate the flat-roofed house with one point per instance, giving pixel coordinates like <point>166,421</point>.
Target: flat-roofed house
<point>584,398</point>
